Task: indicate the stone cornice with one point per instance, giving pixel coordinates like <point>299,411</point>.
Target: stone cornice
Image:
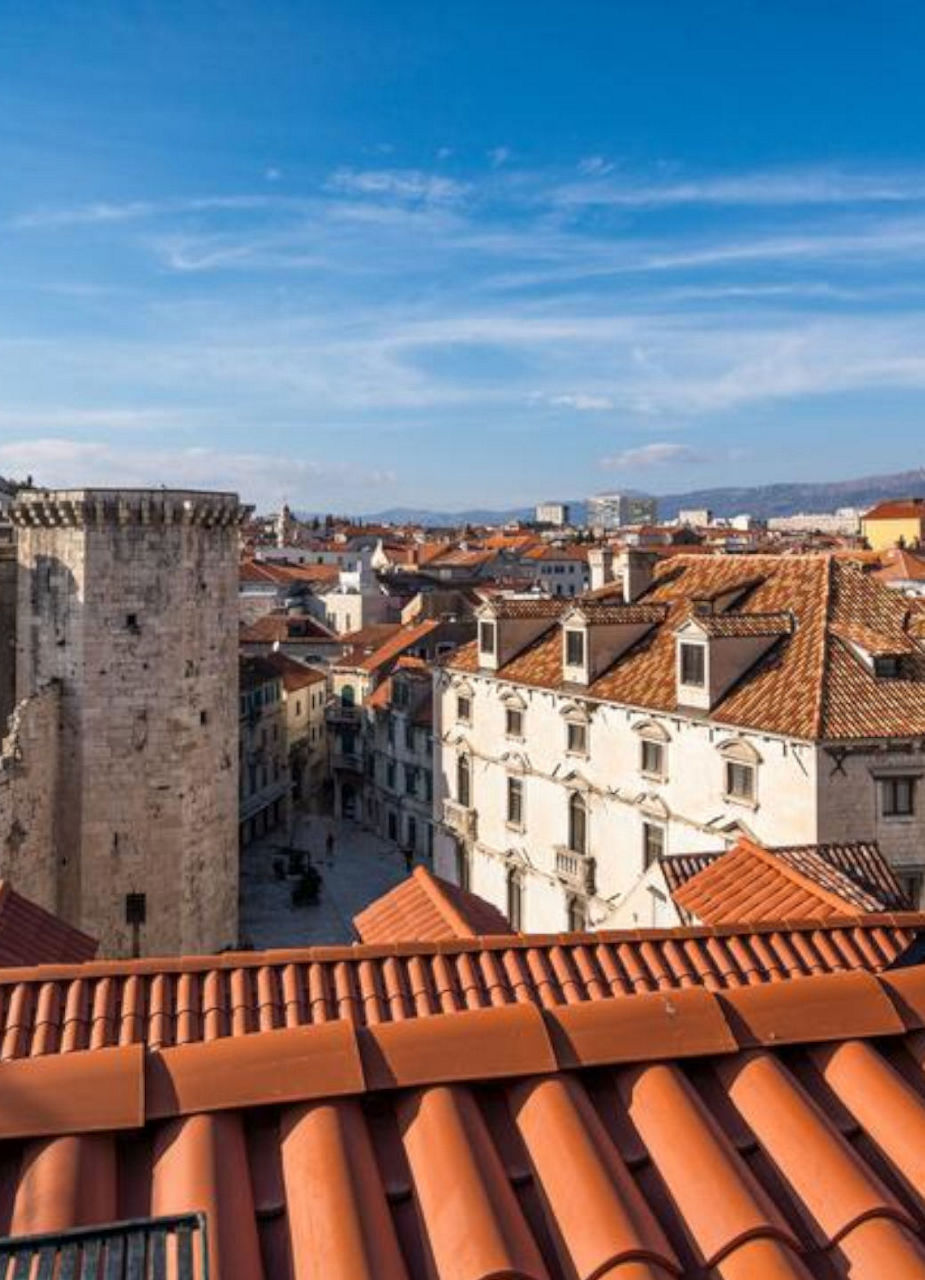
<point>98,508</point>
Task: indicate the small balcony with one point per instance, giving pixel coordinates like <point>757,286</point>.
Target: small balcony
<point>352,761</point>
<point>460,820</point>
<point>337,712</point>
<point>153,1248</point>
<point>575,869</point>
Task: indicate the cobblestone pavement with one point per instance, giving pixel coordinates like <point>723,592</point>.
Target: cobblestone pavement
<point>362,868</point>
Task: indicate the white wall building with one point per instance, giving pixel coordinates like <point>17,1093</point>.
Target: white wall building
<point>576,743</point>
<point>614,510</point>
<point>554,513</point>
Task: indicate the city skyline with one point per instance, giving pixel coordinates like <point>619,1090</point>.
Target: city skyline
<point>363,260</point>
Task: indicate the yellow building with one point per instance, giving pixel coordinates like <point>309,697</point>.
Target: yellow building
<point>896,523</point>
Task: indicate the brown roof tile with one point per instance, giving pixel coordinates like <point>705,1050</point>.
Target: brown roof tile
<point>31,935</point>
<point>808,686</point>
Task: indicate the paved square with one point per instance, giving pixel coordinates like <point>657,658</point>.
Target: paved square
<point>362,868</point>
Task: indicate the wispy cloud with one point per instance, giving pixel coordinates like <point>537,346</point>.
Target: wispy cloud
<point>400,184</point>
<point>103,212</point>
<point>582,401</point>
<point>659,454</point>
<point>499,156</point>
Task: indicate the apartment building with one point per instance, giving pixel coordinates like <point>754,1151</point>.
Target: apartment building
<point>687,704</point>
<point>264,783</point>
<point>614,510</point>
<point>304,696</point>
<point>398,795</point>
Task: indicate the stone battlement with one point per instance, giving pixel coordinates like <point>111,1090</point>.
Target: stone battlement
<point>96,508</point>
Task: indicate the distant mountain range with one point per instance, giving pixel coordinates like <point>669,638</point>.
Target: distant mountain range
<point>759,500</point>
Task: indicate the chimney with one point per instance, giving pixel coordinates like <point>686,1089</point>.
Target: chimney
<point>600,564</point>
<point>635,568</point>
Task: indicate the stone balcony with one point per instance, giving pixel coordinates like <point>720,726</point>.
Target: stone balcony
<point>460,820</point>
<point>337,712</point>
<point>575,869</point>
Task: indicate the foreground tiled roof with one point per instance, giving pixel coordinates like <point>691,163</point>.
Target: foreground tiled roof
<point>187,1000</point>
<point>751,884</point>
<point>31,935</point>
<point>764,1134</point>
<point>809,685</point>
<point>426,908</point>
<point>861,861</point>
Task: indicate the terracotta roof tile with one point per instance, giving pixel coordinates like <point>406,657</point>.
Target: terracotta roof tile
<point>750,884</point>
<point>809,685</point>
<point>187,1000</point>
<point>31,935</point>
<point>482,1145</point>
<point>425,908</point>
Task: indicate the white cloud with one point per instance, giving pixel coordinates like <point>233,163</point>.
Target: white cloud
<point>594,166</point>
<point>583,401</point>
<point>399,184</point>
<point>499,156</point>
<point>58,462</point>
<point>659,454</point>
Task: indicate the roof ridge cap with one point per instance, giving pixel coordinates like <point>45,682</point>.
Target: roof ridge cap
<point>828,568</point>
<point>450,912</point>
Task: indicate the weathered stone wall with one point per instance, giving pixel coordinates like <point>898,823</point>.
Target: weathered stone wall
<point>130,600</point>
<point>28,780</point>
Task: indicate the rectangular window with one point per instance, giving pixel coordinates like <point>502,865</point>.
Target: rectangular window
<point>409,737</point>
<point>515,801</point>
<point>653,758</point>
<point>693,665</point>
<point>740,780</point>
<point>464,708</point>
<point>514,901</point>
<point>577,738</point>
<point>575,648</point>
<point>487,637</point>
<point>514,723</point>
<point>898,797</point>
<point>653,843</point>
<point>390,775</point>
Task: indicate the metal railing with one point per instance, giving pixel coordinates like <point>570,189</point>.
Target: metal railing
<point>138,1249</point>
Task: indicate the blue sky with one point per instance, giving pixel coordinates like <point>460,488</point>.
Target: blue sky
<point>356,255</point>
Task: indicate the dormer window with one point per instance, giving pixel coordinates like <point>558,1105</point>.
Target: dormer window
<point>887,666</point>
<point>574,648</point>
<point>487,638</point>
<point>693,665</point>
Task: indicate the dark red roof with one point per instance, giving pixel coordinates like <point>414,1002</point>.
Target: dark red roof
<point>425,908</point>
<point>31,935</point>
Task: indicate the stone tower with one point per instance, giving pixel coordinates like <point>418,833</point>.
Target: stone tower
<point>127,603</point>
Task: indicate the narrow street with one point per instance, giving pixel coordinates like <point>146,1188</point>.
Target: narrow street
<point>362,867</point>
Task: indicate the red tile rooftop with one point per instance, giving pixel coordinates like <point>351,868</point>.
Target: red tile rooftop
<point>761,1134</point>
<point>31,935</point>
<point>751,884</point>
<point>185,1000</point>
<point>425,908</point>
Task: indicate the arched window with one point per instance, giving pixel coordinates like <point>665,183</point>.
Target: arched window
<point>515,899</point>
<point>577,823</point>
<point>347,695</point>
<point>463,781</point>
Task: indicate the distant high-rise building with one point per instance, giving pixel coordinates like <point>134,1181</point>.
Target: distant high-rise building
<point>554,513</point>
<point>614,510</point>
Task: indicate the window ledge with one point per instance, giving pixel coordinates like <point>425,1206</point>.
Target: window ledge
<point>654,777</point>
<point>519,827</point>
<point>741,801</point>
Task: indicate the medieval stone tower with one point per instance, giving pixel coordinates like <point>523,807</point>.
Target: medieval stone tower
<point>127,606</point>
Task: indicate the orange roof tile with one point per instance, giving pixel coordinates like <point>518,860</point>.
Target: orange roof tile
<point>770,1133</point>
<point>295,675</point>
<point>285,628</point>
<point>751,884</point>
<point>425,908</point>
<point>809,685</point>
<point>897,509</point>
<point>185,1000</point>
